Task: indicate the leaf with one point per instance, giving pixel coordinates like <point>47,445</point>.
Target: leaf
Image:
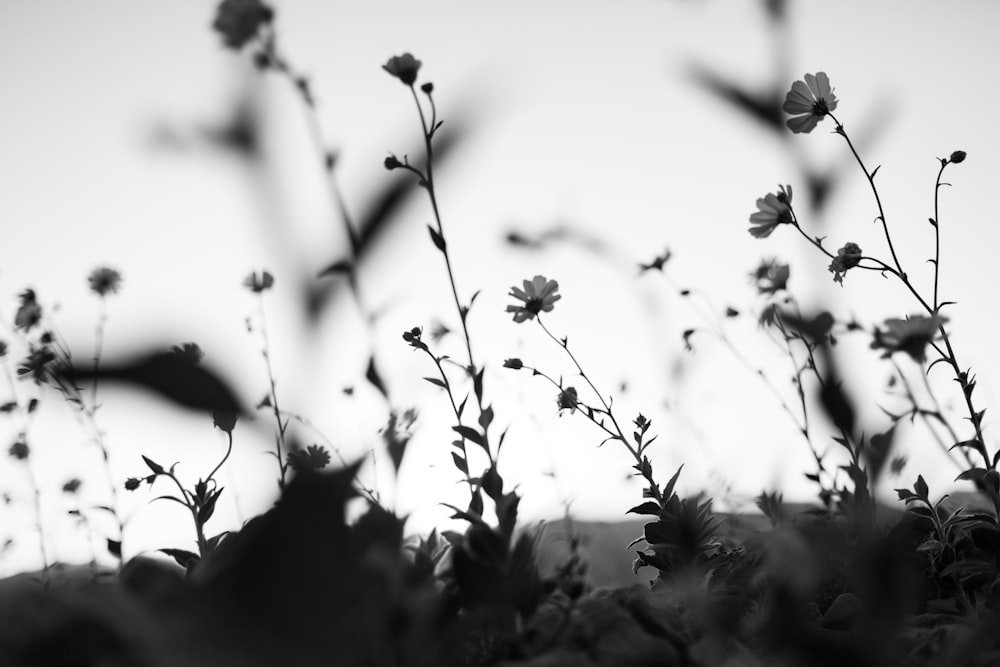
<point>344,266</point>
<point>437,239</point>
<point>153,465</point>
<point>469,433</point>
<point>920,486</point>
<point>208,509</point>
<point>176,500</point>
<point>649,508</point>
<point>184,558</point>
<point>486,417</point>
<point>372,375</point>
<point>669,490</point>
<point>437,382</point>
<point>460,463</point>
<point>114,547</point>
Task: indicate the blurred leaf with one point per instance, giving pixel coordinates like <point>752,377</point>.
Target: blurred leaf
<point>372,375</point>
<point>172,376</point>
<point>762,107</point>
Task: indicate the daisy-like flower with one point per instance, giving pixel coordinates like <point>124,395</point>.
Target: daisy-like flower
<point>809,102</point>
<point>310,459</point>
<point>404,68</point>
<point>539,294</point>
<point>238,21</point>
<point>29,313</point>
<point>258,284</point>
<point>773,209</point>
<point>910,335</point>
<point>770,277</point>
<point>104,280</point>
<point>847,257</point>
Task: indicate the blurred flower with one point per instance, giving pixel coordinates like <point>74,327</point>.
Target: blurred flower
<point>513,363</point>
<point>809,102</point>
<point>37,365</point>
<point>910,335</point>
<point>29,313</point>
<point>957,157</point>
<point>312,458</point>
<point>72,485</point>
<point>770,277</point>
<point>132,483</point>
<point>19,450</point>
<point>190,352</point>
<point>404,68</point>
<point>847,257</point>
<point>567,400</point>
<point>258,284</point>
<point>539,294</point>
<point>239,20</point>
<point>104,280</point>
<point>773,210</point>
<point>769,316</point>
<point>3,348</point>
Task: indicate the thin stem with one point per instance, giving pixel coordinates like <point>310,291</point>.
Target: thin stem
<point>937,233</point>
<point>229,450</point>
<point>279,440</point>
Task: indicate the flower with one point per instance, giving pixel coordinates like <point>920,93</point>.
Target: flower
<point>412,338</point>
<point>809,102</point>
<point>37,365</point>
<point>404,68</point>
<point>770,277</point>
<point>910,335</point>
<point>310,459</point>
<point>567,400</point>
<point>258,284</point>
<point>189,352</point>
<point>539,294</point>
<point>29,313</point>
<point>513,363</point>
<point>225,419</point>
<point>104,280</point>
<point>19,450</point>
<point>847,257</point>
<point>773,210</point>
<point>239,20</point>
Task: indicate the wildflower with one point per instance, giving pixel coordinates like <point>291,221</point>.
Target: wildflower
<point>773,210</point>
<point>310,459</point>
<point>225,420</point>
<point>132,483</point>
<point>29,313</point>
<point>412,338</point>
<point>910,335</point>
<point>567,400</point>
<point>19,450</point>
<point>258,284</point>
<point>238,21</point>
<point>809,102</point>
<point>847,257</point>
<point>539,294</point>
<point>37,365</point>
<point>104,280</point>
<point>957,157</point>
<point>404,68</point>
<point>514,363</point>
<point>770,277</point>
<point>72,485</point>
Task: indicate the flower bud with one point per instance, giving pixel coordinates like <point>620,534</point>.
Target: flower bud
<point>956,157</point>
<point>392,162</point>
<point>427,87</point>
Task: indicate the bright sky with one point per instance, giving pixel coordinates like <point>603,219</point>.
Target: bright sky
<point>581,114</point>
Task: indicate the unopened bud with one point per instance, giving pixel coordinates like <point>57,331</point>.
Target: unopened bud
<point>956,157</point>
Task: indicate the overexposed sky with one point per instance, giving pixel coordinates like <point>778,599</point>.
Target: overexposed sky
<point>579,114</point>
